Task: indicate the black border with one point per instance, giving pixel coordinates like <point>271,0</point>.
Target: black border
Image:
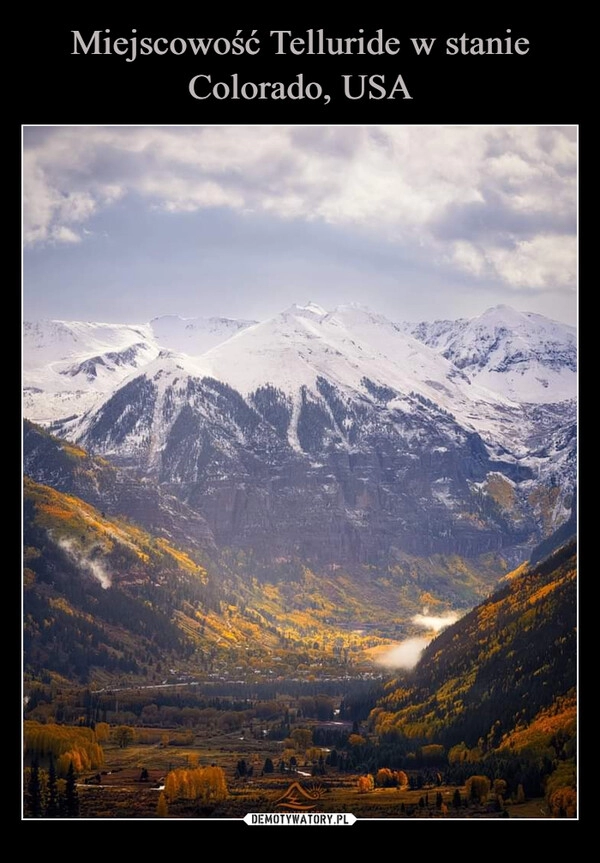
<point>52,87</point>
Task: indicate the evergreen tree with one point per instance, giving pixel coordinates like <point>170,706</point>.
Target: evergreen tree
<point>52,798</point>
<point>34,791</point>
<point>268,768</point>
<point>71,795</point>
<point>456,799</point>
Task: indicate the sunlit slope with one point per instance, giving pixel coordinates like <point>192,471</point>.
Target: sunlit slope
<point>500,665</point>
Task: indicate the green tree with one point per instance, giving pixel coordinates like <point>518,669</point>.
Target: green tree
<point>71,795</point>
<point>52,808</point>
<point>34,791</point>
<point>123,735</point>
<point>268,767</point>
<point>456,799</point>
<point>302,737</point>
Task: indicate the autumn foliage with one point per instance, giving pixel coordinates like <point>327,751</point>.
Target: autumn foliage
<point>206,784</point>
<point>365,784</point>
<point>68,745</point>
<point>478,788</point>
<point>386,778</point>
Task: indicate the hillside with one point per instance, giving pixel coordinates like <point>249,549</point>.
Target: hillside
<point>499,665</point>
<point>497,689</point>
<point>107,602</point>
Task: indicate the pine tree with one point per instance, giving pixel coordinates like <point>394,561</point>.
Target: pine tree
<point>52,798</point>
<point>34,791</point>
<point>71,795</point>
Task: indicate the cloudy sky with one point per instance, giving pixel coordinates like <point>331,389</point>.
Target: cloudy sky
<point>417,222</point>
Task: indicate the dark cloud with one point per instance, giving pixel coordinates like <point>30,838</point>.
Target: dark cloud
<point>494,219</point>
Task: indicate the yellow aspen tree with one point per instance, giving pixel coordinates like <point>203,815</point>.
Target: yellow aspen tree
<point>162,810</point>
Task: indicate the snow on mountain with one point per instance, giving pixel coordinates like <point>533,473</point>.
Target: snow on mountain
<point>524,356</point>
<point>344,421</point>
<point>194,335</point>
<point>68,365</point>
<point>49,341</point>
<point>478,370</point>
<point>354,349</point>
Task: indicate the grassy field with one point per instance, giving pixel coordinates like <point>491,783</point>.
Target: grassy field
<point>122,793</point>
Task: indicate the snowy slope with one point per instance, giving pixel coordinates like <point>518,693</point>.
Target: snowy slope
<point>478,370</point>
<point>67,365</point>
<point>344,421</point>
<point>194,335</point>
<point>524,356</point>
<point>347,347</point>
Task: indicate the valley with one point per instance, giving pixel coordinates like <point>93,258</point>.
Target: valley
<point>230,527</point>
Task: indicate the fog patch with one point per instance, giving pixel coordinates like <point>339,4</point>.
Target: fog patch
<point>428,621</point>
<point>93,567</point>
<point>407,653</point>
<point>404,655</point>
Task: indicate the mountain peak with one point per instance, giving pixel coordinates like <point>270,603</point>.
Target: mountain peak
<point>310,309</point>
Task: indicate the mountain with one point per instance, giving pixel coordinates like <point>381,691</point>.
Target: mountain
<point>500,664</point>
<point>112,603</point>
<point>194,335</point>
<point>70,469</point>
<point>99,593</point>
<point>497,689</point>
<point>524,356</point>
<point>338,438</point>
<point>69,365</point>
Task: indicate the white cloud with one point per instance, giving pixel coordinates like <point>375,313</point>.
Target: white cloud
<point>543,261</point>
<point>62,234</point>
<point>406,183</point>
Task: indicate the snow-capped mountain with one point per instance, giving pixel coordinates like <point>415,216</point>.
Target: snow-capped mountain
<point>69,365</point>
<point>194,336</point>
<point>524,356</point>
<point>340,436</point>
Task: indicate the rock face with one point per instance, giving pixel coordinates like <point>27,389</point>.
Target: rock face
<point>339,439</point>
<point>68,469</point>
